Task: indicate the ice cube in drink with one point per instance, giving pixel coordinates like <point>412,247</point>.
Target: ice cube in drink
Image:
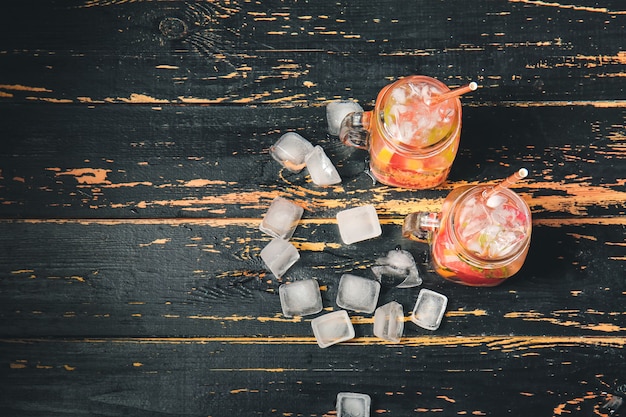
<point>332,328</point>
<point>429,309</point>
<point>281,219</point>
<point>358,224</point>
<point>290,151</point>
<point>357,293</point>
<point>352,404</point>
<point>300,298</point>
<point>279,255</point>
<point>389,322</point>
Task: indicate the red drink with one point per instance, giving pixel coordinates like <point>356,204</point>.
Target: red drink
<point>477,239</point>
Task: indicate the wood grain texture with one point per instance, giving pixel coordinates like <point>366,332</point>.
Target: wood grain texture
<point>134,172</point>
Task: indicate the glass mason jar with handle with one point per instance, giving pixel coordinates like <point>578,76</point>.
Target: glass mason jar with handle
<point>412,134</point>
<point>480,238</point>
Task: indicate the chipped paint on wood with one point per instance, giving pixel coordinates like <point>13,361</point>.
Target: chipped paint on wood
<point>491,342</point>
<point>89,176</point>
<point>155,242</point>
<point>570,6</point>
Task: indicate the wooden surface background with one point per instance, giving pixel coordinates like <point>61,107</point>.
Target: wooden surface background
<point>134,173</point>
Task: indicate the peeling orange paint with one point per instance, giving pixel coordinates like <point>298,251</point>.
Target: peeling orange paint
<point>23,271</point>
<point>155,242</point>
<point>51,100</point>
<point>203,183</point>
<point>315,246</point>
<point>578,236</point>
<point>86,175</point>
<point>236,318</point>
<point>129,184</point>
<point>446,398</point>
<point>570,6</point>
<point>462,313</point>
<point>19,87</point>
<point>14,365</point>
<point>539,317</point>
<point>141,99</point>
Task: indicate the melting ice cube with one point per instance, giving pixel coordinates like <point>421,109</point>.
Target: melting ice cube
<point>357,224</point>
<point>300,298</point>
<point>290,151</point>
<point>352,404</point>
<point>358,293</point>
<point>398,263</point>
<point>332,328</point>
<point>320,167</point>
<point>281,218</point>
<point>279,255</point>
<point>389,322</point>
<point>429,309</point>
<point>336,111</point>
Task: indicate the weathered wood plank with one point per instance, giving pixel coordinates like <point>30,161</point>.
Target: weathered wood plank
<point>178,161</point>
<point>111,278</point>
<point>134,172</point>
<point>204,377</point>
<point>300,53</point>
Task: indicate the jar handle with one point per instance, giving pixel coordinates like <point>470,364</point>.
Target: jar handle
<point>421,225</point>
<point>354,130</point>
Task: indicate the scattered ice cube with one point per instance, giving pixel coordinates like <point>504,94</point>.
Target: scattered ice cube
<point>389,322</point>
<point>321,169</point>
<point>358,293</point>
<point>398,263</point>
<point>336,111</point>
<point>332,328</point>
<point>357,224</point>
<point>352,404</point>
<point>279,255</point>
<point>281,218</point>
<point>290,151</point>
<point>429,309</point>
<point>300,298</point>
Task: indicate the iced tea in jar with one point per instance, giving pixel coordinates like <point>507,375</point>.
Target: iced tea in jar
<point>412,134</point>
<point>480,238</point>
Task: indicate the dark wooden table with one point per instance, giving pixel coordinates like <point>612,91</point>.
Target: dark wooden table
<point>134,172</point>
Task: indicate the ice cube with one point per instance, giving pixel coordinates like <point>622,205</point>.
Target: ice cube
<point>389,322</point>
<point>429,309</point>
<point>321,169</point>
<point>332,328</point>
<point>281,218</point>
<point>398,263</point>
<point>496,200</point>
<point>358,293</point>
<point>279,255</point>
<point>352,404</point>
<point>358,223</point>
<point>336,111</point>
<point>300,298</point>
<point>504,243</point>
<point>290,151</point>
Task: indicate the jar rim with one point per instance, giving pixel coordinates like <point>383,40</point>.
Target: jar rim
<point>429,150</point>
<point>471,256</point>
